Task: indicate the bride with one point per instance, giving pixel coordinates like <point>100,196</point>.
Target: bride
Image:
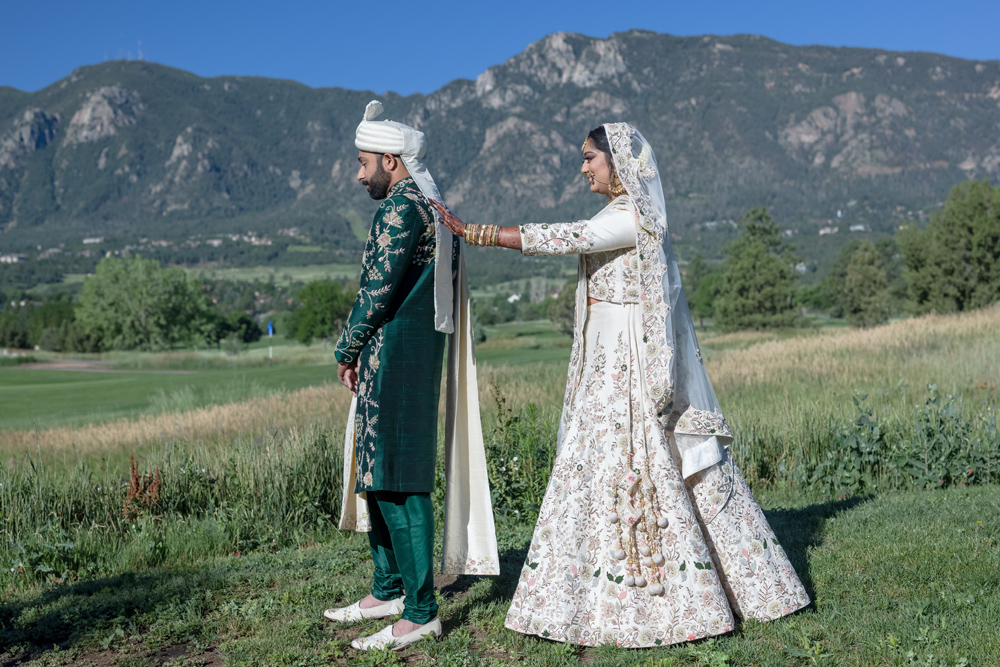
<point>648,534</point>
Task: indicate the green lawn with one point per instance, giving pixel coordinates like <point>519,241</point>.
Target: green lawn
<point>904,579</point>
<point>43,398</point>
<point>46,399</point>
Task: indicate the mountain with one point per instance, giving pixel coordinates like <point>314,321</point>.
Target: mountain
<point>827,137</point>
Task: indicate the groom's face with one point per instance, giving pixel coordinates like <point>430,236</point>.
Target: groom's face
<point>373,175</point>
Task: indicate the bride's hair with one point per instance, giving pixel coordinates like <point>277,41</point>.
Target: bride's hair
<point>599,137</point>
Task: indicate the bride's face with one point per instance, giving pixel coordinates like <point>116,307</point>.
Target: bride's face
<point>596,170</point>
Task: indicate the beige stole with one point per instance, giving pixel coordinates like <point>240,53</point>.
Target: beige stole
<point>470,543</point>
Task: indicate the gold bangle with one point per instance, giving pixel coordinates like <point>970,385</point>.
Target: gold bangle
<point>470,230</point>
<point>481,237</point>
<point>496,235</point>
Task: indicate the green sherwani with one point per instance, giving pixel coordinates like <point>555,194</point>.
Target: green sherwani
<point>390,333</point>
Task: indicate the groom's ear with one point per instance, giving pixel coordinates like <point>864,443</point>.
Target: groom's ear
<point>391,162</point>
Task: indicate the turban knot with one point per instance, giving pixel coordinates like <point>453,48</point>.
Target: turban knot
<point>388,136</point>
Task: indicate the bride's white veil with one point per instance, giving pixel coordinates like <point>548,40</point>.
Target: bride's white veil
<point>678,383</point>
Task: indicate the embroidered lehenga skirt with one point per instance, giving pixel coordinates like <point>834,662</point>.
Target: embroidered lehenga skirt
<point>626,551</point>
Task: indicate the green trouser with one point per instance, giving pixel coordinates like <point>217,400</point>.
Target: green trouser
<point>402,542</point>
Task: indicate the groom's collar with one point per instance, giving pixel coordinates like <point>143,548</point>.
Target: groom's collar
<point>400,186</point>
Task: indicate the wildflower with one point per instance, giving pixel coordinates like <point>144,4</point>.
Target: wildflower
<point>514,459</point>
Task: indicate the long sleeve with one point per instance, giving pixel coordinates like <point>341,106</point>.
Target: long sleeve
<point>392,242</point>
<point>611,229</point>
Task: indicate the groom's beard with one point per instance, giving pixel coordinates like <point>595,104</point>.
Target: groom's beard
<point>378,184</point>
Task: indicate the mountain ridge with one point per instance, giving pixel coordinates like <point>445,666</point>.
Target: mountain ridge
<point>875,137</point>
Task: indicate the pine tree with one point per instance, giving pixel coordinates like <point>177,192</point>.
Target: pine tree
<point>832,286</point>
<point>757,285</point>
<point>866,291</point>
<point>954,264</point>
<point>696,271</point>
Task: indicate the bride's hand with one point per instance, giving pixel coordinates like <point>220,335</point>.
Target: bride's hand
<point>456,226</point>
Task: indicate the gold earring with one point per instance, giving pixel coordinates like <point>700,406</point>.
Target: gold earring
<point>616,188</point>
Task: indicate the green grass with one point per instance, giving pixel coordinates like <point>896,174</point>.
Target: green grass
<point>46,399</point>
<point>16,361</point>
<point>897,580</point>
<point>520,343</point>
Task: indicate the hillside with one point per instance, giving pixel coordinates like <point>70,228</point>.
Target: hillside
<point>830,138</point>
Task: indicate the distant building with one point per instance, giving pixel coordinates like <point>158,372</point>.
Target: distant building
<point>93,239</point>
<point>13,259</point>
<point>858,228</point>
<point>828,230</point>
<point>215,243</point>
<point>513,297</point>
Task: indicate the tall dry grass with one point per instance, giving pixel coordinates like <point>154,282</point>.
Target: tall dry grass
<point>964,346</point>
<point>780,396</point>
<point>324,406</point>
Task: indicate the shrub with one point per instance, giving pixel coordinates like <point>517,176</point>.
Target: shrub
<point>945,447</point>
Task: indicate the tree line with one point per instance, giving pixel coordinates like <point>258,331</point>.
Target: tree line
<point>130,303</point>
<point>951,266</point>
<point>134,303</point>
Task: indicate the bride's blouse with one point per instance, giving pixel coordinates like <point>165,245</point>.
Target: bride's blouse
<point>608,245</point>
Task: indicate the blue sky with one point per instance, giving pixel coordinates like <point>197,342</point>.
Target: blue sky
<point>418,47</point>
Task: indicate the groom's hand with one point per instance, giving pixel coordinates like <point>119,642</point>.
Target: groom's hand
<point>347,374</point>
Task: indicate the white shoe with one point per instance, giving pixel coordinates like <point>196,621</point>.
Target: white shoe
<point>384,639</point>
<point>354,612</point>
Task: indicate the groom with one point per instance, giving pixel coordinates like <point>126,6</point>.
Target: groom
<point>390,356</point>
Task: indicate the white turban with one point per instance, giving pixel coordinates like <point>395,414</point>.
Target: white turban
<point>387,136</point>
<point>410,144</point>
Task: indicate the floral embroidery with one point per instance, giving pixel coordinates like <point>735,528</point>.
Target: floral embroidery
<point>480,566</point>
<point>702,422</point>
<point>563,238</point>
<point>612,276</point>
<point>389,254</point>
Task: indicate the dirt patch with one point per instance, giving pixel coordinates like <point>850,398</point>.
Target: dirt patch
<point>452,586</point>
<point>84,366</point>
